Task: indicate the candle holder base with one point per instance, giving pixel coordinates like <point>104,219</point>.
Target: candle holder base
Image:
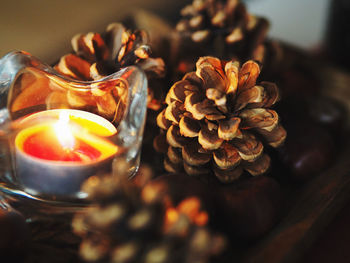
<point>34,208</point>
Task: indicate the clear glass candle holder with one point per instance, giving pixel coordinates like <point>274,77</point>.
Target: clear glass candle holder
<point>56,132</point>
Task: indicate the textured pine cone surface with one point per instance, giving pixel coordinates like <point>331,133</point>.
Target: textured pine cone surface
<point>226,26</point>
<point>219,119</point>
<point>130,223</point>
<point>97,55</point>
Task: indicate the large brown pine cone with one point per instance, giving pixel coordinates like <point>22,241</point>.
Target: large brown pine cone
<point>129,223</point>
<point>95,56</point>
<point>218,118</point>
<point>225,27</point>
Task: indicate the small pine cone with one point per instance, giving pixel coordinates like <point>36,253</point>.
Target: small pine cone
<point>96,56</point>
<point>129,223</point>
<point>224,26</point>
<point>218,118</point>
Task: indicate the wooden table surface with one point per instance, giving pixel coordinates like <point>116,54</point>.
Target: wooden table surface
<point>333,245</point>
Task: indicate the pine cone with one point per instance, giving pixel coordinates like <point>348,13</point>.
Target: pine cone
<point>133,224</point>
<point>224,26</point>
<point>96,56</point>
<point>218,118</point>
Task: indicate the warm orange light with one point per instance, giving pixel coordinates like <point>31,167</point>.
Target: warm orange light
<point>171,216</point>
<point>91,123</point>
<point>201,219</point>
<point>63,131</point>
<point>65,140</point>
<point>190,207</point>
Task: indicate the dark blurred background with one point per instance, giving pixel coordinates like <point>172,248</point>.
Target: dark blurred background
<point>44,28</point>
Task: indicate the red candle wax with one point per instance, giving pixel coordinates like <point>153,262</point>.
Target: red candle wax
<point>44,145</point>
<point>76,138</point>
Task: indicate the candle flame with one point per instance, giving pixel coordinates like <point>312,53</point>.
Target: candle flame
<point>63,131</point>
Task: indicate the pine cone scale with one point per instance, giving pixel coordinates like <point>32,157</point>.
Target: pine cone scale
<point>248,75</point>
<point>174,112</point>
<point>113,38</point>
<point>228,175</point>
<point>74,67</point>
<point>211,78</point>
<point>192,105</point>
<point>231,71</point>
<point>260,166</point>
<point>254,95</point>
<point>163,122</point>
<point>209,139</point>
<point>274,137</point>
<point>174,137</point>
<point>228,129</point>
<point>174,155</point>
<point>193,157</point>
<point>177,91</point>
<point>227,157</point>
<point>189,127</point>
<point>248,147</point>
<point>259,118</point>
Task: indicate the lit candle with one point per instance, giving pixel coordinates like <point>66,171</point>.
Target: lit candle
<point>55,156</point>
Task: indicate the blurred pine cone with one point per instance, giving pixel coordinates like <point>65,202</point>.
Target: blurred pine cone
<point>95,56</point>
<point>129,223</point>
<point>218,118</point>
<point>225,27</point>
